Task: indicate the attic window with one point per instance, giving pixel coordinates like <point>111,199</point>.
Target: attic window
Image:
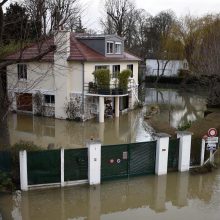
<point>110,47</point>
<point>118,48</point>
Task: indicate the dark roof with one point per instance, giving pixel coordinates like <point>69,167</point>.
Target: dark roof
<point>34,50</point>
<point>78,52</point>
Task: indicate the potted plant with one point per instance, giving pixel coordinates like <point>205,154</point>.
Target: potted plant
<point>123,80</point>
<point>102,79</point>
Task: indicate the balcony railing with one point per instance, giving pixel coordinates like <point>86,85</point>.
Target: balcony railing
<point>111,89</point>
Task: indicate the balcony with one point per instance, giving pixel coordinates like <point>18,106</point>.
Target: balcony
<point>93,89</point>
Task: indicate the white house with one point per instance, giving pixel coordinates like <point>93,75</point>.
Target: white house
<point>65,74</point>
<point>171,68</point>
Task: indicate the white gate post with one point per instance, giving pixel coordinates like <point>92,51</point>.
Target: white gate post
<point>62,167</point>
<point>162,153</point>
<point>184,150</point>
<point>202,153</point>
<point>94,162</point>
<point>23,170</point>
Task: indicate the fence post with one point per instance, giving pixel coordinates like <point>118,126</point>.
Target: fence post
<point>162,153</point>
<point>94,162</point>
<point>184,150</point>
<point>62,167</point>
<point>23,170</point>
<point>202,152</point>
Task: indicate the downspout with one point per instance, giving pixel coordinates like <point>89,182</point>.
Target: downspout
<point>83,91</point>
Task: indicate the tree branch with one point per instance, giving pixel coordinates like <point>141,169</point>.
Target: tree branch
<point>36,58</point>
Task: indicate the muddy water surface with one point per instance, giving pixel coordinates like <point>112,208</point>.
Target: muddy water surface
<point>176,109</point>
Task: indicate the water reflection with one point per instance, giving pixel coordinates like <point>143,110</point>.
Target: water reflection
<point>44,131</point>
<point>175,196</point>
<point>177,107</point>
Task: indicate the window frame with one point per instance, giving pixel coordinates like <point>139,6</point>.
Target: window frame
<point>22,71</point>
<point>132,69</point>
<point>52,100</point>
<point>115,73</point>
<point>118,44</point>
<point>99,67</point>
<point>108,47</point>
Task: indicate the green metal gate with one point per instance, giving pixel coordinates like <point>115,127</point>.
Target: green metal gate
<point>142,158</point>
<point>43,167</point>
<point>173,154</point>
<point>118,161</point>
<point>114,162</point>
<point>75,164</point>
<point>5,161</point>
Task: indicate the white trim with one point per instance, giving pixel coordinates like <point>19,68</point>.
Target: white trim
<point>109,42</point>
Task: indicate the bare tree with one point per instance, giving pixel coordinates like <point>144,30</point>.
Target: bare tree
<point>119,19</point>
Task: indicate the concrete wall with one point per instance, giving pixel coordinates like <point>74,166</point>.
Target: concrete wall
<point>171,69</point>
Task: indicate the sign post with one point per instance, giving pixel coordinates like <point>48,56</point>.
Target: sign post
<point>211,142</point>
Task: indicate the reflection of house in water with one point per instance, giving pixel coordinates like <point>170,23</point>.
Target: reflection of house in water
<point>68,134</point>
<point>178,108</point>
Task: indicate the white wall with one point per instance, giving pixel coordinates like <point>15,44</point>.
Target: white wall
<point>90,68</point>
<point>171,69</point>
<point>40,77</point>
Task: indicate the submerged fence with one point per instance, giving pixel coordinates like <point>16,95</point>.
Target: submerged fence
<point>97,163</point>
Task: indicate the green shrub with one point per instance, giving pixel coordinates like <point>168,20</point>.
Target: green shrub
<point>123,79</point>
<point>102,78</point>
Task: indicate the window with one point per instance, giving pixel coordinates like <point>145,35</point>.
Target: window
<point>99,67</point>
<point>118,48</point>
<point>130,67</point>
<point>22,71</point>
<point>110,47</point>
<point>115,71</point>
<point>49,99</point>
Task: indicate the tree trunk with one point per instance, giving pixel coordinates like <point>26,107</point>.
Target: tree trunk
<point>4,132</point>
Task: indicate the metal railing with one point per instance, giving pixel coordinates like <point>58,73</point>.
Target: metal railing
<point>110,89</point>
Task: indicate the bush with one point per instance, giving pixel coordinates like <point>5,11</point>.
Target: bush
<point>123,79</point>
<point>6,183</point>
<point>102,78</point>
<point>72,108</point>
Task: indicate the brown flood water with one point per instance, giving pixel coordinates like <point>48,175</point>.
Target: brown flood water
<point>176,108</point>
<point>177,196</point>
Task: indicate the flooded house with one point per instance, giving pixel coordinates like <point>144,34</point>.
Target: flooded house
<point>64,77</point>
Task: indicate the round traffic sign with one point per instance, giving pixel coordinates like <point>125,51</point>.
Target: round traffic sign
<point>212,132</point>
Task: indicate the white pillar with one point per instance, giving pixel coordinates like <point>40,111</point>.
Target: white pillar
<point>23,170</point>
<point>117,106</point>
<point>62,167</point>
<point>101,109</point>
<point>184,150</point>
<point>202,153</point>
<point>94,162</point>
<point>162,154</point>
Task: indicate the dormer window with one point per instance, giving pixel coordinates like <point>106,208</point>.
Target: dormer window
<point>118,47</point>
<point>110,47</point>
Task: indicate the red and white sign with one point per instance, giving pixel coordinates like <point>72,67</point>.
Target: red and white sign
<point>212,132</point>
